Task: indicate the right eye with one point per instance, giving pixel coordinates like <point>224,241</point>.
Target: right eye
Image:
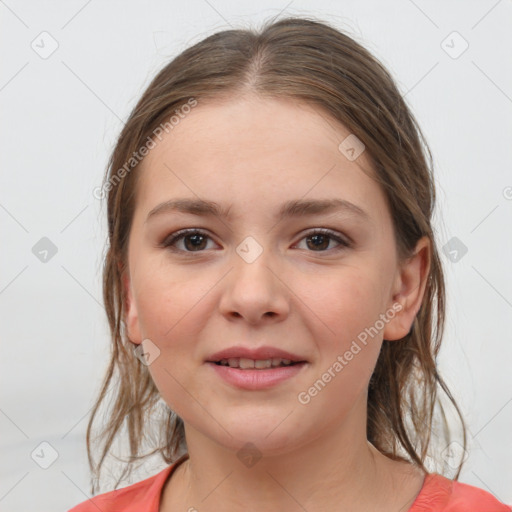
<point>194,240</point>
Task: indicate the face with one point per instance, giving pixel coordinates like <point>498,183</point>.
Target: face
<point>309,284</point>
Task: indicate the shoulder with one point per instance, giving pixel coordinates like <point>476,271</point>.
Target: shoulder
<point>464,495</point>
<point>143,496</point>
<point>440,494</point>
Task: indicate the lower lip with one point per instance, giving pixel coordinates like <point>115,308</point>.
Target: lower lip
<point>256,379</point>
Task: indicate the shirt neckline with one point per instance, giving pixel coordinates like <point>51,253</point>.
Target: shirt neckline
<point>168,476</point>
<point>422,502</point>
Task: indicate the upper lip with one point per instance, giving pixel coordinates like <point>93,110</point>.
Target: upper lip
<point>260,353</point>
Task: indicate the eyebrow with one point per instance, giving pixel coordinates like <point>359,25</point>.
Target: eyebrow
<point>293,208</point>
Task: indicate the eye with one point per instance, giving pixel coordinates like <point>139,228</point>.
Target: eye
<point>321,238</point>
<point>195,240</point>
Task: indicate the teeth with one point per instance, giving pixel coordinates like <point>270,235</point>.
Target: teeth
<point>259,364</point>
<point>266,363</point>
<point>246,363</point>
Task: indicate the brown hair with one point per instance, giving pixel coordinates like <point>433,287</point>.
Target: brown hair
<point>308,61</point>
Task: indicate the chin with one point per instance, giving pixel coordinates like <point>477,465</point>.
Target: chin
<point>257,437</point>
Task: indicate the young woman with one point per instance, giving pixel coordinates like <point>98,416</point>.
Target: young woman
<point>272,277</point>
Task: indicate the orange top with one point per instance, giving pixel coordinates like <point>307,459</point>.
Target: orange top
<point>438,494</point>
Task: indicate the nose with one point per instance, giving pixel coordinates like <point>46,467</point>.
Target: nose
<point>255,292</point>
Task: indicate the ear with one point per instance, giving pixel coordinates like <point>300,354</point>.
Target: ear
<point>408,291</point>
<point>130,310</point>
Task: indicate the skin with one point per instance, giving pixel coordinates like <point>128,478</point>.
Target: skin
<point>253,154</point>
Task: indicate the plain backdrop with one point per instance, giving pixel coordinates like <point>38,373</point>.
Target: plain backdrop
<point>70,74</point>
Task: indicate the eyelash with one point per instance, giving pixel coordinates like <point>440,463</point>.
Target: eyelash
<point>178,235</point>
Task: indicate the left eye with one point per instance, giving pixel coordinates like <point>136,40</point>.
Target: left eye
<point>321,239</point>
<point>316,239</point>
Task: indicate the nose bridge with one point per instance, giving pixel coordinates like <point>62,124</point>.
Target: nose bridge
<point>253,267</point>
<point>254,290</point>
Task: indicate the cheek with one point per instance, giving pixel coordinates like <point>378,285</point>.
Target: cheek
<point>166,301</point>
<point>348,342</point>
<point>170,315</point>
<point>346,302</point>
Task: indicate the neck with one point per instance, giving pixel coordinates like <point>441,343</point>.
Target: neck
<point>338,470</point>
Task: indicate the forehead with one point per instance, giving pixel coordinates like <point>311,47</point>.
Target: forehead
<point>270,149</point>
<point>255,127</point>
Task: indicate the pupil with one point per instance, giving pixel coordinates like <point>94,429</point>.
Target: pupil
<point>316,237</point>
<point>196,240</point>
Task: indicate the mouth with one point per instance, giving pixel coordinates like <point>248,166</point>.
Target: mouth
<point>256,364</point>
<point>256,368</point>
<point>262,358</point>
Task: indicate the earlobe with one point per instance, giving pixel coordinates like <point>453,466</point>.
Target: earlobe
<point>409,291</point>
<point>130,311</point>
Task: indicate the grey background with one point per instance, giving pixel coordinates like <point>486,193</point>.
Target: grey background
<point>60,117</point>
